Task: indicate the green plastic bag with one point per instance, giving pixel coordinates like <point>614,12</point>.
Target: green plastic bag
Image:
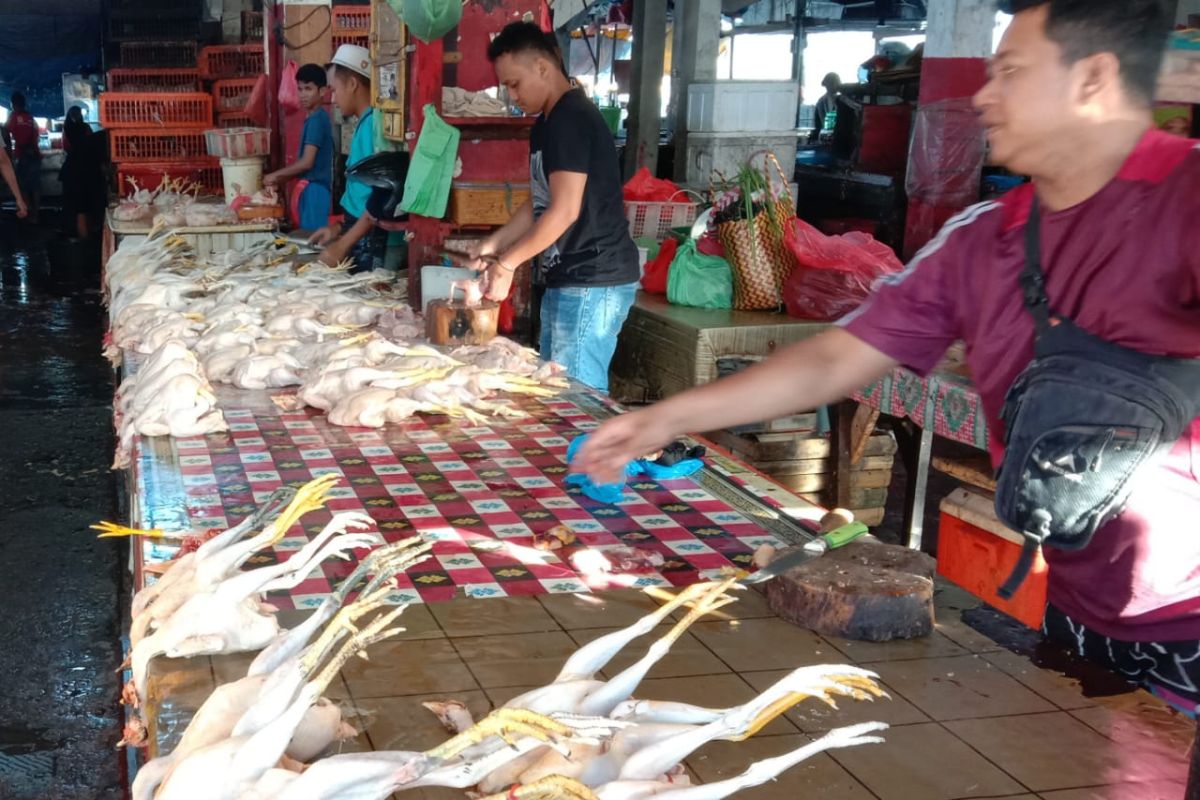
<point>428,19</point>
<point>431,168</point>
<point>698,280</point>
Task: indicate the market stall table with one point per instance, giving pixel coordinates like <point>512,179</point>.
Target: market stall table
<point>471,489</point>
<point>664,349</point>
<point>944,404</point>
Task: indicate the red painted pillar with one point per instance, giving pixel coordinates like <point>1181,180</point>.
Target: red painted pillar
<point>948,143</point>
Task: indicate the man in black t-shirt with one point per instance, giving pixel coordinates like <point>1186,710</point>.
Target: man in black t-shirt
<point>576,214</point>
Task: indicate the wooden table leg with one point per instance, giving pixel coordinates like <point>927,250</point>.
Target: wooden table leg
<point>842,448</point>
<point>916,447</point>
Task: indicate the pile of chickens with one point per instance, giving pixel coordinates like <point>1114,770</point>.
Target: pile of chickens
<point>254,320</point>
<point>579,737</point>
<point>174,203</point>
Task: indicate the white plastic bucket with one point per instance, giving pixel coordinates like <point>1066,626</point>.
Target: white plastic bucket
<point>246,173</point>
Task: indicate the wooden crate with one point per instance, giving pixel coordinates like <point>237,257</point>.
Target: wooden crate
<point>803,462</point>
<point>485,203</point>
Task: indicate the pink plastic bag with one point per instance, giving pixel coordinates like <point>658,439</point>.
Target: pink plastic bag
<point>289,92</point>
<point>833,274</point>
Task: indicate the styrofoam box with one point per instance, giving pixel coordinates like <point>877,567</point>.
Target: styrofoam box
<point>742,106</point>
<point>725,153</point>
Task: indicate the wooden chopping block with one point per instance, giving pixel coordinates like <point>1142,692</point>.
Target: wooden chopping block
<point>452,322</point>
<point>866,590</point>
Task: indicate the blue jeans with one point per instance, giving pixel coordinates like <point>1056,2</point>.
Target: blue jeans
<point>580,326</point>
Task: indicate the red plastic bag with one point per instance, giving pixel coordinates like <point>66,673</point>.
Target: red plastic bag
<point>646,188</point>
<point>654,280</point>
<point>258,106</point>
<point>833,274</point>
<point>289,92</point>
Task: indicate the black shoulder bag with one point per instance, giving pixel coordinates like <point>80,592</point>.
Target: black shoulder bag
<point>1079,422</point>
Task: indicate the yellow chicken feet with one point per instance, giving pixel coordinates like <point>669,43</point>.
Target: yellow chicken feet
<point>111,530</point>
<point>509,724</point>
<point>856,686</point>
<point>552,787</point>
<point>309,497</point>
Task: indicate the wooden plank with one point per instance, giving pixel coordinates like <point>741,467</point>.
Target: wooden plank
<point>307,27</point>
<point>975,470</point>
<point>859,498</point>
<point>861,430</point>
<point>784,446</point>
<point>822,466</point>
<point>879,479</point>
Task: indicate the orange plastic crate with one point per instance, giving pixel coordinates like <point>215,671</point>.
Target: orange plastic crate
<point>206,172</point>
<point>232,94</point>
<point>360,39</point>
<point>157,144</point>
<point>155,109</point>
<point>158,55</point>
<point>979,555</point>
<point>232,61</point>
<point>153,80</point>
<point>352,19</point>
<point>234,119</point>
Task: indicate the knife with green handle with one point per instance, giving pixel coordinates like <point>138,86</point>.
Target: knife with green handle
<point>814,549</point>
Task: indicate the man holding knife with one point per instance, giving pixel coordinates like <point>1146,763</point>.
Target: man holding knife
<point>576,217</point>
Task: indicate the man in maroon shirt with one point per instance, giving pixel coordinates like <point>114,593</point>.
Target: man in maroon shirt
<point>23,130</point>
<point>1068,104</point>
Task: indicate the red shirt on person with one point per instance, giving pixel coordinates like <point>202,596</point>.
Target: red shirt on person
<point>1125,265</point>
<point>23,129</point>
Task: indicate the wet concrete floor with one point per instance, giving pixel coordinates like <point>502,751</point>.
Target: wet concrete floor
<point>62,588</point>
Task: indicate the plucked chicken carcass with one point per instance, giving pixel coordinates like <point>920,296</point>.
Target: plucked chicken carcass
<point>558,787</point>
<point>322,724</point>
<point>578,691</point>
<point>169,397</point>
<point>228,617</point>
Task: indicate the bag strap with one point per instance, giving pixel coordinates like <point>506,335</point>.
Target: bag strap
<point>1033,279</point>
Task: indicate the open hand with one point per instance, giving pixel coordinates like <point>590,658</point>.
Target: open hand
<point>619,441</point>
<point>271,179</point>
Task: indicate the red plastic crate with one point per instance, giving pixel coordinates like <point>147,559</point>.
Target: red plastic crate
<point>232,94</point>
<point>157,144</point>
<point>155,109</point>
<point>153,80</point>
<point>206,172</point>
<point>360,39</point>
<point>232,61</point>
<point>158,55</point>
<point>977,552</point>
<point>234,119</point>
<point>352,19</point>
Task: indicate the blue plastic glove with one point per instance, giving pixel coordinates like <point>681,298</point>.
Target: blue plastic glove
<point>656,471</point>
<point>610,493</point>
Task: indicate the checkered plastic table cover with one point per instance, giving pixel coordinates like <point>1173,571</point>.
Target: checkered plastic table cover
<point>461,486</point>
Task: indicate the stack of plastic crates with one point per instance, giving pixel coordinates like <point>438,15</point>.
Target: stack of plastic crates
<point>233,69</point>
<point>156,134</point>
<point>351,25</point>
<point>158,21</point>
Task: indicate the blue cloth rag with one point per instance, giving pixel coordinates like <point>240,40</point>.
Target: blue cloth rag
<point>612,493</point>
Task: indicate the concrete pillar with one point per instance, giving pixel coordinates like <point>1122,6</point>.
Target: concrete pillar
<point>693,60</point>
<point>1185,9</point>
<point>645,102</point>
<point>945,160</point>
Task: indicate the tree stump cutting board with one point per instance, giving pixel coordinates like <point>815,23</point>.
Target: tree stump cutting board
<point>450,322</point>
<point>867,590</point>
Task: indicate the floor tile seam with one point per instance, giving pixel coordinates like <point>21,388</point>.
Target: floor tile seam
<point>850,775</point>
<point>1042,695</point>
<point>915,704</point>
